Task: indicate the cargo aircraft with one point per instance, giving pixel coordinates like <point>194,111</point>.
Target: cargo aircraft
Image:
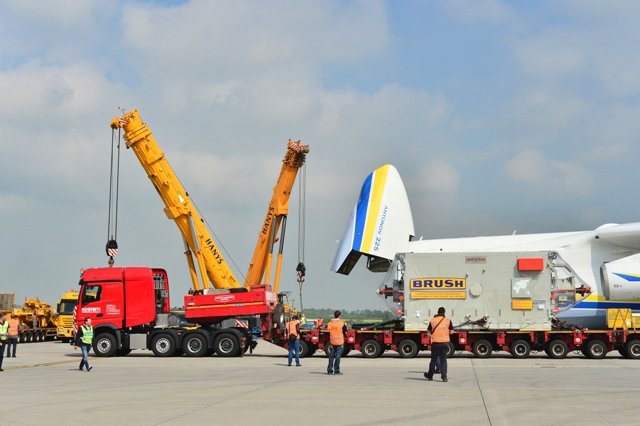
<point>606,260</point>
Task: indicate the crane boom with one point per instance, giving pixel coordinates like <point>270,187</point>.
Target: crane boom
<point>275,220</point>
<point>178,206</point>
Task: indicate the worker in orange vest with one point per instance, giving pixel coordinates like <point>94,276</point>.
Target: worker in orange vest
<point>14,332</point>
<point>293,330</point>
<point>440,328</point>
<point>336,328</point>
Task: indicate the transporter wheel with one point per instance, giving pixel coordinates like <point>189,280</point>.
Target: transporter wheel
<point>520,348</point>
<point>123,351</point>
<point>227,345</point>
<point>371,348</point>
<point>306,349</point>
<point>407,348</point>
<point>452,350</point>
<point>105,345</point>
<point>595,349</point>
<point>194,345</point>
<point>482,348</point>
<point>632,349</point>
<point>163,345</point>
<point>557,349</point>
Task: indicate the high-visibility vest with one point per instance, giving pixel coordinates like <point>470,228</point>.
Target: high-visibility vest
<point>292,327</point>
<point>440,330</point>
<point>336,337</point>
<point>87,335</point>
<point>4,329</point>
<point>13,327</point>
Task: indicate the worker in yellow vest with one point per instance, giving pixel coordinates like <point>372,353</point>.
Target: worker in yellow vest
<point>84,339</point>
<point>293,330</point>
<point>4,334</point>
<point>336,328</point>
<point>440,328</point>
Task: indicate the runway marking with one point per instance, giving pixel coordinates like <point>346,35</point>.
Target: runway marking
<point>481,394</point>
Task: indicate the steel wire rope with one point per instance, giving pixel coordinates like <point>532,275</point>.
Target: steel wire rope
<point>112,219</point>
<point>218,241</point>
<point>302,218</point>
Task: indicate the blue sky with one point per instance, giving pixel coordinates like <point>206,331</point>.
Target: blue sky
<point>499,115</point>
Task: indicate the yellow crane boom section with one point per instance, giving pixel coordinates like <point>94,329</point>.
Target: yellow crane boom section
<point>275,220</point>
<point>178,206</point>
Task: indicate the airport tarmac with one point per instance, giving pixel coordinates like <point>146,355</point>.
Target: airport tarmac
<point>42,385</point>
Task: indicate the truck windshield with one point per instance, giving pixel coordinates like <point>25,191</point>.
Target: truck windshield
<point>65,307</point>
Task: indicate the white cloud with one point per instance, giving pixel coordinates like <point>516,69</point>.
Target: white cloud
<point>533,168</point>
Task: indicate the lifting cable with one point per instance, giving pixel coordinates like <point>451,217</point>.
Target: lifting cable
<point>302,213</point>
<point>114,183</point>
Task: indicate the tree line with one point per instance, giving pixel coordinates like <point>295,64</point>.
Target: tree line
<point>349,315</point>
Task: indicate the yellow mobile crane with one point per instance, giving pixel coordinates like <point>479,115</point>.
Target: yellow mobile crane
<point>199,244</point>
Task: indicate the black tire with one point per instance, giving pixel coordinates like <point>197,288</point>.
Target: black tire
<point>163,345</point>
<point>371,348</point>
<point>105,345</point>
<point>278,317</point>
<point>452,350</point>
<point>194,345</point>
<point>632,349</point>
<point>520,348</point>
<point>407,348</point>
<point>482,348</point>
<point>557,349</point>
<point>306,349</point>
<point>123,352</point>
<point>226,345</point>
<point>595,349</point>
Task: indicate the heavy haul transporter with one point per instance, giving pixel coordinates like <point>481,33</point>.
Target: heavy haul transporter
<point>519,293</point>
<point>130,306</point>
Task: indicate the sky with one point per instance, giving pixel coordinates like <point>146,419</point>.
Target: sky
<point>500,116</point>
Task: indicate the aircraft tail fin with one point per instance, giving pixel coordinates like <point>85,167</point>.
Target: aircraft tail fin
<point>380,225</point>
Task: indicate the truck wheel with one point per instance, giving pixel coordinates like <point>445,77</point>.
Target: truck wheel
<point>371,348</point>
<point>632,349</point>
<point>557,349</point>
<point>163,345</point>
<point>452,350</point>
<point>595,349</point>
<point>407,348</point>
<point>520,348</point>
<point>482,348</point>
<point>104,345</point>
<point>194,345</point>
<point>278,317</point>
<point>305,348</point>
<point>226,345</point>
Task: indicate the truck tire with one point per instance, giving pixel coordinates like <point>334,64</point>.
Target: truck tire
<point>632,349</point>
<point>595,349</point>
<point>407,348</point>
<point>306,349</point>
<point>227,345</point>
<point>452,350</point>
<point>194,345</point>
<point>520,348</point>
<point>163,345</point>
<point>105,345</point>
<point>371,348</point>
<point>278,317</point>
<point>557,349</point>
<point>482,348</point>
